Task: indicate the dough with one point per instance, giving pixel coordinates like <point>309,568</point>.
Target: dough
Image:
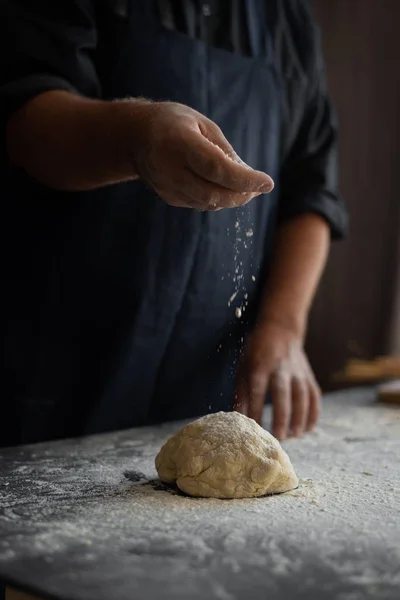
<point>225,455</point>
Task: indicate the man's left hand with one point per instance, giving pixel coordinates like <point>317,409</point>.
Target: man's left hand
<point>274,361</point>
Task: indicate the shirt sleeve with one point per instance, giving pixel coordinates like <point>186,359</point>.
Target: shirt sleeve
<point>49,46</point>
<point>309,174</point>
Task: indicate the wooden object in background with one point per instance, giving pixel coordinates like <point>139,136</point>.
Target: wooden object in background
<point>390,392</point>
<point>12,594</point>
<point>382,368</point>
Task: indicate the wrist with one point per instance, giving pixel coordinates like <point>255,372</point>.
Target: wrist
<point>293,320</point>
<point>131,119</point>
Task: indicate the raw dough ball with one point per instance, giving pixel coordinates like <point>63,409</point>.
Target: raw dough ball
<point>225,455</point>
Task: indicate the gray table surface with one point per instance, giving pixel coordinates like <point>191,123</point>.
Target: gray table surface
<point>88,520</point>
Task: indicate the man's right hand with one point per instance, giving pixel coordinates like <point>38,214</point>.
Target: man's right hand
<point>185,158</point>
<point>70,143</point>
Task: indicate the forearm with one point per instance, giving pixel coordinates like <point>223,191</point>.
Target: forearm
<point>73,143</point>
<point>299,257</point>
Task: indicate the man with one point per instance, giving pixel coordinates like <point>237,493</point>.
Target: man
<point>129,296</point>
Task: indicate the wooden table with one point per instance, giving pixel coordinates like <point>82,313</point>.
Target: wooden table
<point>88,520</point>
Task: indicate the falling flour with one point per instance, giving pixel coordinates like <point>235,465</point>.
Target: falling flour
<point>238,270</point>
<point>231,299</point>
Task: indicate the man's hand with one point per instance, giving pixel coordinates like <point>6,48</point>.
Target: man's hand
<point>274,358</point>
<point>274,361</point>
<point>187,160</point>
<point>73,143</point>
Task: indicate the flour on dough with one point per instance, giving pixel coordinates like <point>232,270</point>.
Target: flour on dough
<point>225,455</point>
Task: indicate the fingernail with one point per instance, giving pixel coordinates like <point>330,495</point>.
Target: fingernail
<point>265,188</point>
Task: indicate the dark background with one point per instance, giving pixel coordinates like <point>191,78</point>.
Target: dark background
<point>355,313</point>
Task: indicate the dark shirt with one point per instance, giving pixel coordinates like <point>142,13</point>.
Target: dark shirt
<point>68,45</point>
<point>104,308</point>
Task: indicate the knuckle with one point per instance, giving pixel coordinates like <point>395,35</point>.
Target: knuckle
<point>216,129</point>
<point>283,367</point>
<point>299,385</point>
<point>280,380</point>
<point>258,381</point>
<point>230,153</point>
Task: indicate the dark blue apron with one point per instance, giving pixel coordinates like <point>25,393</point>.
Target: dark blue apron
<point>137,325</point>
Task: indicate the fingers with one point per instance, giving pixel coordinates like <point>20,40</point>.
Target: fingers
<point>178,198</point>
<point>208,195</point>
<point>258,387</point>
<point>211,162</point>
<point>300,406</point>
<point>214,134</point>
<point>315,405</point>
<point>281,401</point>
<point>296,401</point>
